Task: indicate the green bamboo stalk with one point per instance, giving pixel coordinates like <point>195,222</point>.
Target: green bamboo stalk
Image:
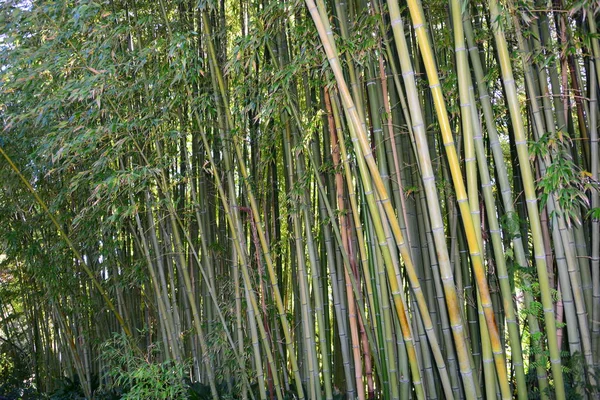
<point>433,263</point>
<point>302,274</point>
<point>234,223</point>
<point>320,306</point>
<point>531,198</point>
<point>253,205</point>
<point>505,188</point>
<point>595,226</point>
<point>233,219</point>
<point>391,373</point>
<point>356,320</point>
<point>595,67</point>
<point>558,112</point>
<point>571,294</point>
<point>166,317</point>
<point>500,263</point>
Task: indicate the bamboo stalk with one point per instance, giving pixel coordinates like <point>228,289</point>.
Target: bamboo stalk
<point>531,198</point>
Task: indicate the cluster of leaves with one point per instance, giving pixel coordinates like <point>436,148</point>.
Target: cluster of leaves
<point>574,369</point>
<point>133,376</point>
<point>140,376</point>
<point>564,179</point>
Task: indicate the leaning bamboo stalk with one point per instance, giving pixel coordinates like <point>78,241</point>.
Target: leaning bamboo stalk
<point>255,344</point>
<point>162,309</point>
<point>233,220</point>
<point>348,244</point>
<point>391,388</point>
<point>416,12</point>
<point>196,320</point>
<point>489,372</point>
<point>213,295</point>
<point>433,205</point>
<point>351,304</point>
<point>468,124</point>
<point>240,334</point>
<point>576,265</point>
<point>347,262</point>
<point>317,282</point>
<point>554,92</point>
<point>68,336</point>
<point>384,240</point>
<point>428,372</point>
<point>566,291</point>
<point>357,130</point>
<point>432,261</point>
<point>353,320</point>
<point>341,11</point>
<point>175,225</point>
<point>399,303</point>
<point>584,331</point>
<point>374,106</point>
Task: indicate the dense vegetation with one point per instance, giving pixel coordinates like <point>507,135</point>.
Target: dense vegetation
<point>287,199</point>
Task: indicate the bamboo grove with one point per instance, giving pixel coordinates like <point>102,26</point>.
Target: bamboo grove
<point>288,199</point>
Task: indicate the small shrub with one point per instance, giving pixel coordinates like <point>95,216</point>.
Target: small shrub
<point>140,376</point>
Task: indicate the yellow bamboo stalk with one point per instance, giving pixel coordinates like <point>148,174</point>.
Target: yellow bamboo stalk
<point>419,24</point>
